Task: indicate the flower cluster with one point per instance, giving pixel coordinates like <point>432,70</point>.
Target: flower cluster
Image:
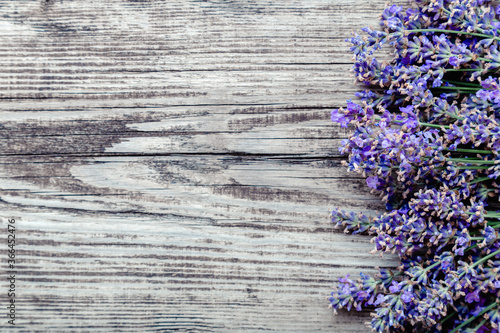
<point>426,136</point>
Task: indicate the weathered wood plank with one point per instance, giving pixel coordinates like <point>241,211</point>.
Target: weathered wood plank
<point>170,165</point>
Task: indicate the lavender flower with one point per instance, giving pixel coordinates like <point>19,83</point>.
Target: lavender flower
<point>426,136</point>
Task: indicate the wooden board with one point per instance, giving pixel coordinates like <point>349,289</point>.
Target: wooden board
<point>171,164</point>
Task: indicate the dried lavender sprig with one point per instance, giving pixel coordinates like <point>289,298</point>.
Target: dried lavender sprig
<point>419,91</point>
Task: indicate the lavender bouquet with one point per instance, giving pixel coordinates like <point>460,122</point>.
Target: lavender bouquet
<point>426,137</point>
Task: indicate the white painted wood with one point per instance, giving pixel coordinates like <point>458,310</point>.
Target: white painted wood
<point>171,165</point>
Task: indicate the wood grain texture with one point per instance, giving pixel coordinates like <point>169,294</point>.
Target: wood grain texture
<point>171,164</point>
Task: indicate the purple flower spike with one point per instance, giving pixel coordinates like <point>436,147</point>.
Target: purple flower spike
<point>426,136</point>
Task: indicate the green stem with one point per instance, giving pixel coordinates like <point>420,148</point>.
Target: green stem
<point>448,317</point>
<point>471,247</point>
<point>464,70</point>
<point>479,180</point>
<point>473,151</point>
<point>480,325</point>
<point>421,124</point>
<point>473,167</point>
<point>485,59</point>
<point>471,319</point>
<point>454,32</point>
<point>470,161</point>
<point>434,125</point>
<point>474,85</point>
<point>491,255</point>
<point>487,214</point>
<point>459,88</point>
<point>494,225</point>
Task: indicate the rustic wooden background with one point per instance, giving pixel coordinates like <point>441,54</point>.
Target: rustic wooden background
<point>171,164</point>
